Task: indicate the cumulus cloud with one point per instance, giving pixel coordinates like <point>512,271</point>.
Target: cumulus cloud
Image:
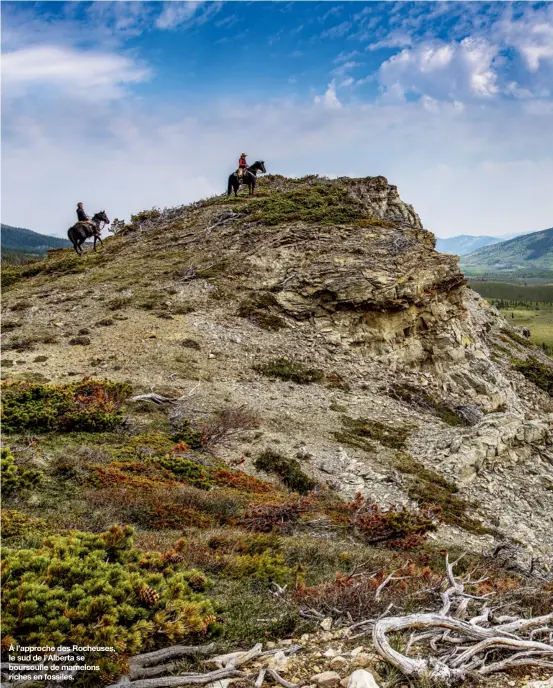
<point>329,100</point>
<point>531,34</point>
<point>443,70</point>
<point>86,74</point>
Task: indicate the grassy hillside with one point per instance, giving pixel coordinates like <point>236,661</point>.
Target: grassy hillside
<point>529,251</point>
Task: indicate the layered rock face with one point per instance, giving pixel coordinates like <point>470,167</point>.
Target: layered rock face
<point>339,275</point>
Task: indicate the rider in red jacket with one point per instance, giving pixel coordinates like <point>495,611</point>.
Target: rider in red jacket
<point>242,165</point>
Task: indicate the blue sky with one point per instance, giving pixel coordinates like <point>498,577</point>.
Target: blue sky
<point>130,105</point>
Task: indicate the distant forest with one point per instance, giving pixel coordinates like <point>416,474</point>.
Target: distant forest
<point>20,245</point>
<point>514,292</point>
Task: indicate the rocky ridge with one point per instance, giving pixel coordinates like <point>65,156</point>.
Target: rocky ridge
<point>338,276</point>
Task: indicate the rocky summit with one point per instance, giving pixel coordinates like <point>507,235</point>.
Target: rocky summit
<point>322,307</point>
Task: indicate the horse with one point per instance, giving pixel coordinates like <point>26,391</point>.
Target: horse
<point>81,231</point>
<point>249,178</point>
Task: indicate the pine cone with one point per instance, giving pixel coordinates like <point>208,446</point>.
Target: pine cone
<point>148,595</point>
<point>174,558</point>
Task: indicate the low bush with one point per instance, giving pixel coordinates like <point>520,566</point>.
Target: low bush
<point>288,470</point>
<point>272,518</point>
<point>399,528</point>
<point>187,434</point>
<point>225,424</point>
<point>420,397</point>
<point>15,478</point>
<point>90,405</point>
<point>186,471</point>
<point>16,524</point>
<point>90,589</point>
<point>285,369</point>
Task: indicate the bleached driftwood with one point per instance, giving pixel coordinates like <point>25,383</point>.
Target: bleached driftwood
<point>463,647</point>
<point>155,398</point>
<point>150,670</point>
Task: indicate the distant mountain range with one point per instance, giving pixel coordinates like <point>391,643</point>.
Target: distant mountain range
<point>20,240</point>
<point>529,251</point>
<point>466,243</point>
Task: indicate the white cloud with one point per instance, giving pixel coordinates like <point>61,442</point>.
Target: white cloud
<point>443,70</point>
<point>137,160</point>
<point>86,74</point>
<point>531,34</point>
<point>329,100</point>
<point>346,67</point>
<point>176,14</point>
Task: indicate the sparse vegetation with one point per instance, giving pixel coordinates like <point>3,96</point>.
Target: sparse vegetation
<point>537,372</point>
<point>392,436</point>
<point>323,203</point>
<point>285,369</point>
<point>421,398</point>
<point>288,470</point>
<point>258,309</point>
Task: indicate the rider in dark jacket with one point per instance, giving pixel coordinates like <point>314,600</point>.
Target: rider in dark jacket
<point>81,215</point>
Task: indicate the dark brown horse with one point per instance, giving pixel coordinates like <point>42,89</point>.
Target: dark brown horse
<point>249,178</point>
<point>82,231</point>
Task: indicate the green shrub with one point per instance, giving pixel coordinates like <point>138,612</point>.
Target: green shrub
<point>90,589</point>
<point>185,433</point>
<point>86,406</point>
<point>15,524</point>
<point>186,470</point>
<point>287,469</point>
<point>537,372</point>
<point>266,568</point>
<point>286,369</point>
<point>14,477</point>
<point>526,343</point>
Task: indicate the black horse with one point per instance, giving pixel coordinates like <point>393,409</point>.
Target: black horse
<point>81,231</point>
<point>249,178</point>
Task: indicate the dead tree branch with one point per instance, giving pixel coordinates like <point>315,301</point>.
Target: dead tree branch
<point>481,646</point>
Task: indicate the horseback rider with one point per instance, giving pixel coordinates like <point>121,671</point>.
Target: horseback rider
<point>82,216</point>
<point>242,166</point>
